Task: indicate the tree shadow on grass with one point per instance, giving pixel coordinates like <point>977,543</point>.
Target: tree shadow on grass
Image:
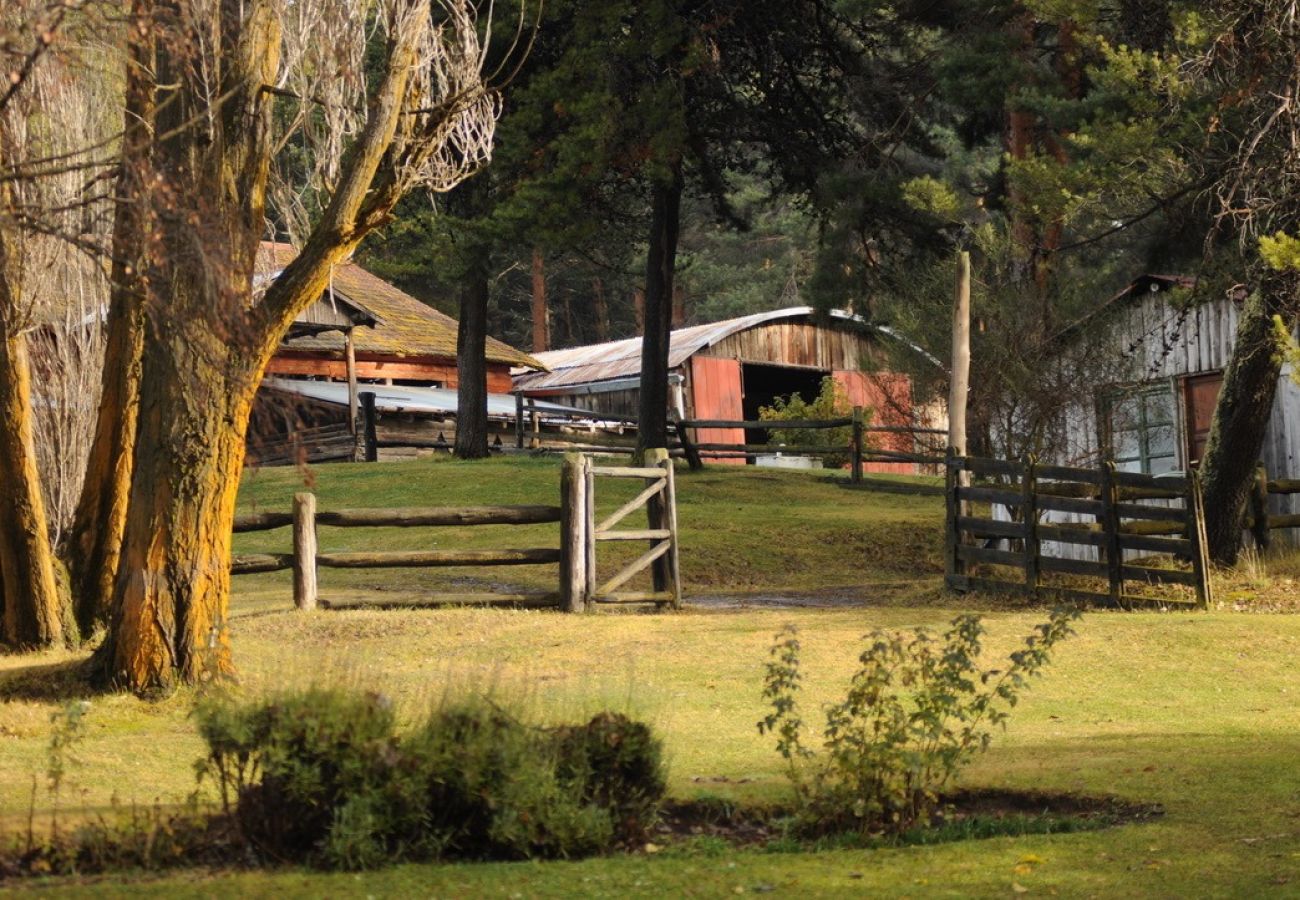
<point>57,682</point>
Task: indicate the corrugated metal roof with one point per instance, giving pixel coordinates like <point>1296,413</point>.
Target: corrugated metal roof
<point>622,359</point>
<point>406,326</point>
<point>400,398</point>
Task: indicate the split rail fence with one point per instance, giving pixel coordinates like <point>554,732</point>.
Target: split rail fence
<point>1137,521</point>
<point>577,588</point>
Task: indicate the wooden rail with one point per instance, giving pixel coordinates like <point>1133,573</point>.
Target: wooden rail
<point>1123,525</point>
<point>576,555</point>
<point>306,558</point>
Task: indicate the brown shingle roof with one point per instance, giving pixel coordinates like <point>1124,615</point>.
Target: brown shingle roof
<point>406,326</point>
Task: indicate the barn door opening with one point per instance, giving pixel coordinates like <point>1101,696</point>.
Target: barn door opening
<point>764,383</point>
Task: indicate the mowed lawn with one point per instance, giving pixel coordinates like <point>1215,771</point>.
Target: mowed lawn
<point>1197,711</point>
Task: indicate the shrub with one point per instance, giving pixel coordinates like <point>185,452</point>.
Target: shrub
<point>323,777</point>
<point>916,711</point>
<point>831,402</point>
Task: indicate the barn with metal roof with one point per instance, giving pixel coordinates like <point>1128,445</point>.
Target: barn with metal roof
<point>728,369</point>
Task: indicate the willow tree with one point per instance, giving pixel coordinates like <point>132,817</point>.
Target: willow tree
<point>220,94</point>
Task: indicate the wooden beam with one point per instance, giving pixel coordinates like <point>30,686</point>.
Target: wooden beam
<point>438,558</point>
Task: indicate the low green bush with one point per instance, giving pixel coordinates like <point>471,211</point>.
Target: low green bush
<point>917,710</point>
<point>324,777</point>
<point>831,402</point>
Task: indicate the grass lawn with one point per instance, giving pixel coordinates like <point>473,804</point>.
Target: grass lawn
<point>1196,711</point>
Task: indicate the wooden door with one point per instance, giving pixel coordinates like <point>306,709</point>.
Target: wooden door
<point>888,397</point>
<point>716,394</point>
<point>1200,394</point>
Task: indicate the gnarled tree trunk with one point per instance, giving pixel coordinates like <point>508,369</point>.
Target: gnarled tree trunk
<point>170,609</point>
<point>35,613</point>
<point>1241,418</point>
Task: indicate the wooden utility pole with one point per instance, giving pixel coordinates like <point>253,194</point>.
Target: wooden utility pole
<point>350,361</point>
<point>541,322</point>
<point>959,380</point>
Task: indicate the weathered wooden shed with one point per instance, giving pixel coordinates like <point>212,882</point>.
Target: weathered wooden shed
<point>728,369</point>
<point>1166,355</point>
<point>410,343</point>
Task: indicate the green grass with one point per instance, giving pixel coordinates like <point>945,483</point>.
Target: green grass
<point>1195,711</point>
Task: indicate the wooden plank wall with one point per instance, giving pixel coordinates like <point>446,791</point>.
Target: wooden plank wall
<point>1153,339</point>
<point>889,397</point>
<point>716,394</point>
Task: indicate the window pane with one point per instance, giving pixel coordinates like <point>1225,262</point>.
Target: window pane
<point>1160,406</point>
<point>1126,446</point>
<point>1160,441</point>
<point>1158,465</point>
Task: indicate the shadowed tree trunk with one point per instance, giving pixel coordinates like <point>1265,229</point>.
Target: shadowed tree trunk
<point>1241,417</point>
<point>471,364</point>
<point>665,222</point>
<point>94,546</point>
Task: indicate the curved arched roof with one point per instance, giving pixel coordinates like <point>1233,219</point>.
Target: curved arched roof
<point>622,359</point>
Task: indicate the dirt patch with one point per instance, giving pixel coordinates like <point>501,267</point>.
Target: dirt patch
<point>683,821</point>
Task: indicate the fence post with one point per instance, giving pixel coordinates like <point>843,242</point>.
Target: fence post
<point>1259,510</point>
<point>1029,516</point>
<point>1195,507</point>
<point>857,445</point>
<point>589,551</point>
<point>657,516</point>
<point>367,399</point>
<point>536,421</point>
<point>1110,530</point>
<point>573,539</point>
<point>954,565</point>
<point>304,550</point>
<point>519,421</point>
<point>668,517</point>
<point>689,449</point>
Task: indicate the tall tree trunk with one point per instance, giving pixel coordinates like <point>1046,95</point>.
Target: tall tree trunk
<point>170,605</point>
<point>94,546</point>
<point>665,222</point>
<point>471,365</point>
<point>1241,418</point>
<point>541,316</point>
<point>602,309</point>
<point>35,614</point>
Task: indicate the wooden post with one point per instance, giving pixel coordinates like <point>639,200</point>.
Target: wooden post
<point>1110,529</point>
<point>689,449</point>
<point>536,420</point>
<point>370,441</point>
<point>304,550</point>
<point>589,553</point>
<point>657,517</point>
<point>1196,532</point>
<point>350,360</point>
<point>954,565</point>
<point>856,475</point>
<point>670,522</point>
<point>573,537</point>
<point>959,378</point>
<point>519,421</point>
<point>1259,510</point>
<point>1029,515</point>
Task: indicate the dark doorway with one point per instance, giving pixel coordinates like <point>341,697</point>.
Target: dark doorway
<point>762,384</point>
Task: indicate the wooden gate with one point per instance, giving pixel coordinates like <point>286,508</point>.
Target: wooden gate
<point>580,562</point>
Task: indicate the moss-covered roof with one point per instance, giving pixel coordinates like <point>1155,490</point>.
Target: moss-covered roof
<point>406,326</point>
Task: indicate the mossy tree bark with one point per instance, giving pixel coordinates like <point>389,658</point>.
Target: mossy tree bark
<point>206,345</point>
<point>1241,416</point>
<point>95,541</point>
<point>33,609</point>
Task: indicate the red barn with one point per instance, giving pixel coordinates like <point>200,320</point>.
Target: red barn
<point>728,369</point>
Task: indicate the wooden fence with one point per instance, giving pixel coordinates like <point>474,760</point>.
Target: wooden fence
<point>1138,520</point>
<point>1259,521</point>
<point>578,589</point>
<point>858,447</point>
